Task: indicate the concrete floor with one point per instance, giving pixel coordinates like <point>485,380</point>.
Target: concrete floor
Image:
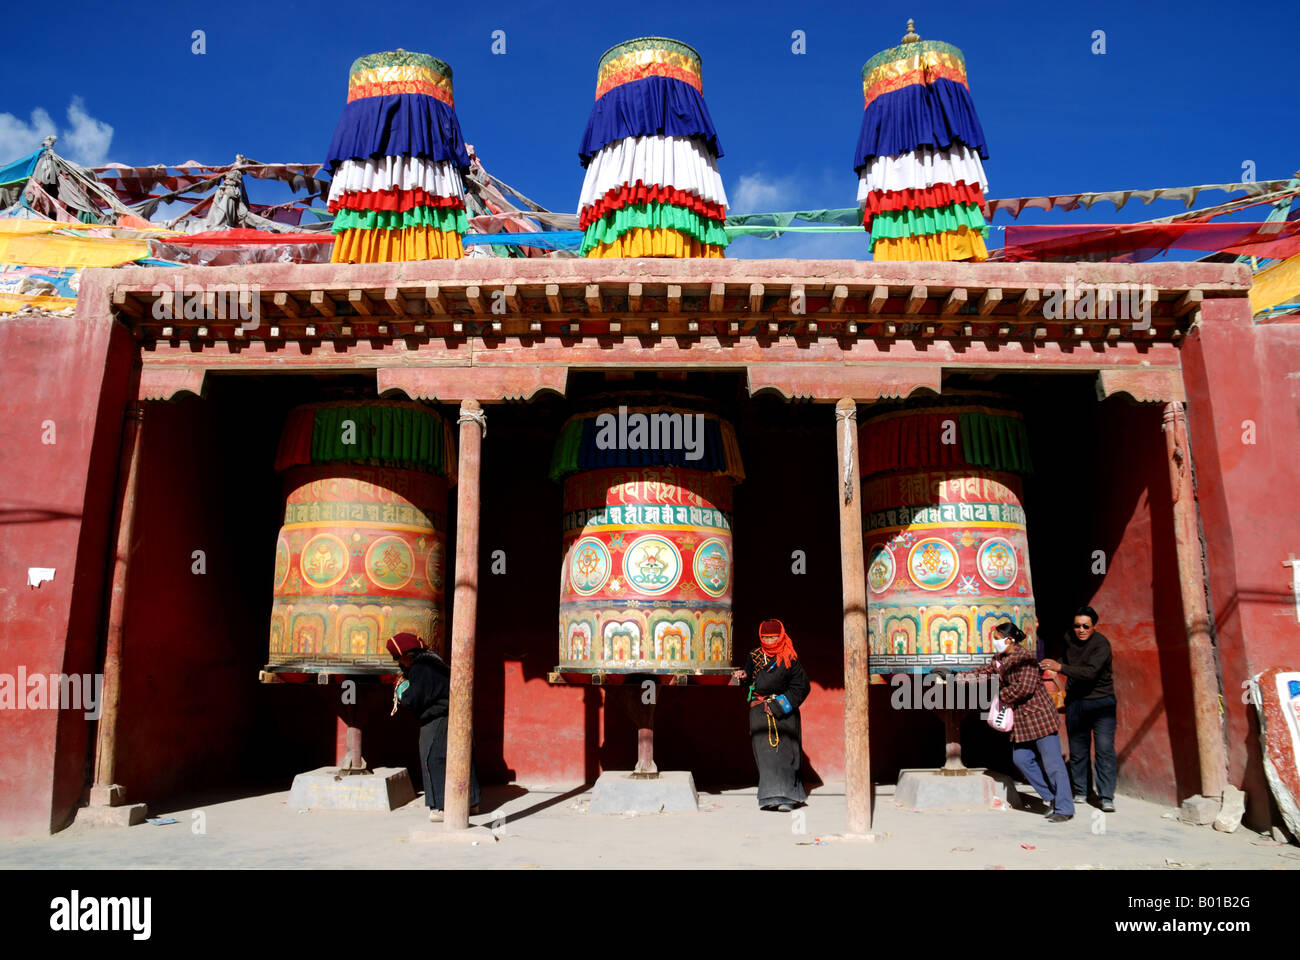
<point>552,828</point>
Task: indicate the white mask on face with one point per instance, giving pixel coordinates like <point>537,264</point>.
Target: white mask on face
<point>1000,644</point>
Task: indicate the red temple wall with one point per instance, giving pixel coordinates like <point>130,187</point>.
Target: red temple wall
<point>55,511</point>
<point>1240,374</point>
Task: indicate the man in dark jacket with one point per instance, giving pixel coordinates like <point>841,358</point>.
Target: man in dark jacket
<point>425,691</point>
<point>1089,708</point>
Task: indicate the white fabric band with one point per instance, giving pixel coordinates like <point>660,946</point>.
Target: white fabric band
<point>440,178</point>
<point>676,162</point>
<point>920,169</point>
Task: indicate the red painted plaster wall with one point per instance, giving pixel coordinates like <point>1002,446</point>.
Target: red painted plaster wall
<point>56,503</point>
<point>1243,383</point>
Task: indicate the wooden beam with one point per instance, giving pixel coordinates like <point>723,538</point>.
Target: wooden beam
<point>436,298</point>
<point>513,300</point>
<point>717,297</point>
<point>674,298</point>
<point>594,303</point>
<point>1028,303</point>
<point>474,297</point>
<point>553,301</point>
<point>755,298</point>
<point>394,301</point>
<point>916,298</point>
<point>989,300</point>
<point>286,304</point>
<point>634,291</point>
<point>360,302</point>
<point>879,294</point>
<point>323,303</point>
<point>799,298</point>
<point>956,300</point>
<point>838,298</point>
<point>1188,302</point>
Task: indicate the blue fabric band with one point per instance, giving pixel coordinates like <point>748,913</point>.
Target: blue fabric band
<point>653,106</point>
<point>402,125</point>
<point>938,115</point>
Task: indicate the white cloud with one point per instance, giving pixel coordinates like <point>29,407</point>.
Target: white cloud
<point>88,139</point>
<point>17,139</point>
<point>760,194</point>
<point>84,139</point>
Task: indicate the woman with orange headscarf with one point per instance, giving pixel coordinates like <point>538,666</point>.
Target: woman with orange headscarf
<point>776,685</point>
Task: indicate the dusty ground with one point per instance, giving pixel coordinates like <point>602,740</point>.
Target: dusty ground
<point>551,829</point>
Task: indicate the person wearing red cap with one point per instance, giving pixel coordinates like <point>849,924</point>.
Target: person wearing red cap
<point>776,685</point>
<point>425,690</point>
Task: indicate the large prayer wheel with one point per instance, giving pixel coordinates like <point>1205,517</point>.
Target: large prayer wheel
<point>944,531</point>
<point>646,584</point>
<point>361,553</point>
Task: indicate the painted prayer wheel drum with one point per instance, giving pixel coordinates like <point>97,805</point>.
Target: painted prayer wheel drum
<point>361,553</point>
<point>944,531</point>
<point>646,583</point>
<point>652,187</point>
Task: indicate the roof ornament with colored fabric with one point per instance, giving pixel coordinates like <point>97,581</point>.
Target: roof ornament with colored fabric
<point>397,159</point>
<point>652,187</point>
<point>919,156</point>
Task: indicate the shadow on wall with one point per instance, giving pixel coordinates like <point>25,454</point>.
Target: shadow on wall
<point>1100,524</point>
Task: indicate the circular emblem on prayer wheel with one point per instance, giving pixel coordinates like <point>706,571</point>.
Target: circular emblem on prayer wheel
<point>712,567</point>
<point>589,566</point>
<point>652,565</point>
<point>932,563</point>
<point>390,562</point>
<point>880,568</point>
<point>324,560</point>
<point>996,562</point>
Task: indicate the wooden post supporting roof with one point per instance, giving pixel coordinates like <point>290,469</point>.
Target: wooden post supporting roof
<point>1196,618</point>
<point>106,791</point>
<point>460,712</point>
<point>857,762</point>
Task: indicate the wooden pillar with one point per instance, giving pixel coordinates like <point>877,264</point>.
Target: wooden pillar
<point>952,765</point>
<point>642,712</point>
<point>1196,619</point>
<point>460,720</point>
<point>347,741</point>
<point>857,765</point>
<point>106,792</point>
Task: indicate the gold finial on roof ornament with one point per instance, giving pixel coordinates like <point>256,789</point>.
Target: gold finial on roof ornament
<point>911,36</point>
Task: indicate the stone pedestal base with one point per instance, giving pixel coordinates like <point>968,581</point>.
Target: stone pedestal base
<point>127,815</point>
<point>617,791</point>
<point>438,833</point>
<point>931,790</point>
<point>386,789</point>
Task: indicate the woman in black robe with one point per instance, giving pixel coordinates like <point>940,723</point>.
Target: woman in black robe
<point>776,685</point>
<point>426,691</point>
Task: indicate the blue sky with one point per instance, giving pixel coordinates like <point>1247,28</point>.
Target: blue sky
<point>1184,94</point>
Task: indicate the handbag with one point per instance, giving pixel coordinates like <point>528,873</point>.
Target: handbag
<point>1000,717</point>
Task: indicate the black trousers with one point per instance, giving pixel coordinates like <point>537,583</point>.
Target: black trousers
<point>1091,723</point>
<point>433,764</point>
